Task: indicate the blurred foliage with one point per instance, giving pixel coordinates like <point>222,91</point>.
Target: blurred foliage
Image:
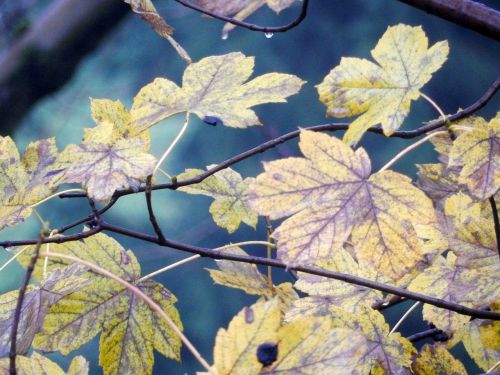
<point>134,55</point>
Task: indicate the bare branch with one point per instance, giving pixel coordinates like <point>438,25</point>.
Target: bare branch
<point>152,217</point>
<point>469,14</point>
<point>250,26</point>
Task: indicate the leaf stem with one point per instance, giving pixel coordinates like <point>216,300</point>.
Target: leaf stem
<point>172,145</point>
<point>169,267</point>
<point>56,195</point>
<point>490,370</point>
<point>406,314</point>
<point>14,257</point>
<point>139,293</point>
<point>39,217</point>
<point>269,230</point>
<point>47,250</point>
<point>436,107</point>
<point>409,148</point>
<point>245,243</point>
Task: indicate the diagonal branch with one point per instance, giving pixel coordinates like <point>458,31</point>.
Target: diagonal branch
<point>496,222</point>
<point>19,306</point>
<point>408,134</point>
<point>250,26</point>
<point>469,14</point>
<point>214,254</point>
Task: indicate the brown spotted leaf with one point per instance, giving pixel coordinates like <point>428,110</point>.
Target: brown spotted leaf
<point>312,346</point>
<point>478,153</point>
<point>40,365</point>
<point>332,195</point>
<point>382,93</point>
<point>214,88</point>
<point>229,190</point>
<point>148,12</point>
<point>235,350</point>
<point>25,180</point>
<point>130,329</point>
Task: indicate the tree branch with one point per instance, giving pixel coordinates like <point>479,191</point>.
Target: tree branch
<point>424,334</point>
<point>152,217</point>
<point>250,26</point>
<point>19,305</point>
<point>209,253</point>
<point>495,221</point>
<point>408,134</point>
<point>469,14</point>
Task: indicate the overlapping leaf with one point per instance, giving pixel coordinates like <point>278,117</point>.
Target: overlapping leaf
<point>112,155</point>
<point>332,195</point>
<point>229,190</point>
<point>214,88</point>
<point>25,180</point>
<point>313,346</point>
<point>339,293</point>
<point>436,360</point>
<point>438,181</point>
<point>247,277</point>
<point>130,330</point>
<point>37,301</point>
<point>235,350</point>
<point>241,9</point>
<point>478,152</point>
<point>382,93</point>
<point>40,365</point>
<point>380,353</point>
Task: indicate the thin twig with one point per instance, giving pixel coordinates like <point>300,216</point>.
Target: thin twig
<point>265,29</point>
<point>152,217</point>
<point>13,258</point>
<point>424,334</point>
<point>169,267</point>
<point>495,221</point>
<point>139,293</point>
<point>408,134</point>
<point>210,253</point>
<point>19,305</point>
<point>173,144</point>
<point>88,218</point>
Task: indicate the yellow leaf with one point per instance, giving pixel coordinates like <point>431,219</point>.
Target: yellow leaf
<point>436,360</point>
<point>382,93</point>
<point>312,346</point>
<point>229,190</point>
<point>339,293</point>
<point>214,88</point>
<point>478,152</point>
<point>40,365</point>
<point>438,181</point>
<point>247,277</point>
<point>332,195</point>
<point>474,334</point>
<point>25,180</point>
<point>130,329</point>
<point>235,348</point>
<point>103,168</point>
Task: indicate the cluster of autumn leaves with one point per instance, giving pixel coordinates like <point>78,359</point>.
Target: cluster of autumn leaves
<point>435,237</point>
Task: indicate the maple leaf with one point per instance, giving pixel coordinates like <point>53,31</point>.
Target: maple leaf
<point>130,329</point>
<point>435,359</point>
<point>475,337</point>
<point>438,181</point>
<point>214,87</point>
<point>382,93</point>
<point>25,180</point>
<point>229,190</point>
<point>36,304</point>
<point>332,195</point>
<point>449,281</point>
<point>247,277</point>
<point>380,352</point>
<point>109,157</point>
<point>236,347</point>
<point>241,9</point>
<point>312,346</point>
<point>478,152</point>
<point>37,364</point>
<point>339,293</point>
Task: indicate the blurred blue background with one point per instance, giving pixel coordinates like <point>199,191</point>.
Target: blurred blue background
<point>133,55</point>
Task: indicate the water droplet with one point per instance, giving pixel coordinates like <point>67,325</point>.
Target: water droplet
<point>225,36</point>
<point>269,35</point>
